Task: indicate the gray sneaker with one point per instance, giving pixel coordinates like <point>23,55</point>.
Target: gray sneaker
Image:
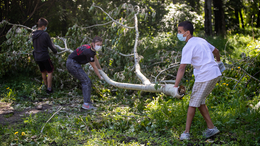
<point>88,106</point>
<point>210,132</point>
<point>185,136</point>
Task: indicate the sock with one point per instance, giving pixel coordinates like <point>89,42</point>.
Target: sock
<point>49,89</point>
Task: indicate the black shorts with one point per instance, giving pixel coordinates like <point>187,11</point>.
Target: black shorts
<point>45,65</point>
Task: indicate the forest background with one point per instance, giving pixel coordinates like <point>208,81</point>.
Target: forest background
<point>128,117</point>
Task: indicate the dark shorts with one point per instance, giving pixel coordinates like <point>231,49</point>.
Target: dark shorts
<point>46,65</point>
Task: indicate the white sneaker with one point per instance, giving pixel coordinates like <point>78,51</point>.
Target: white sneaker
<point>210,132</point>
<point>185,136</point>
<point>88,106</point>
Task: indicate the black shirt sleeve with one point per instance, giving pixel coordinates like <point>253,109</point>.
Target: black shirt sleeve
<point>50,44</point>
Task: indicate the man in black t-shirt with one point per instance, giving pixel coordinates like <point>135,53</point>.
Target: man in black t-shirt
<point>82,55</point>
<point>41,42</point>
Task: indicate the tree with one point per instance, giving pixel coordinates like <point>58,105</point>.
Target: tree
<point>220,25</point>
<point>146,85</point>
<point>208,23</point>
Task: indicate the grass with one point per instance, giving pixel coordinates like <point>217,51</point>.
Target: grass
<point>135,118</point>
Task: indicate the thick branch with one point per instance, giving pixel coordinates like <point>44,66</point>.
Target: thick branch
<point>166,89</point>
<point>137,66</point>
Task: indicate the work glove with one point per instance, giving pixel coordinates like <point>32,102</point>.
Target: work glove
<point>221,66</point>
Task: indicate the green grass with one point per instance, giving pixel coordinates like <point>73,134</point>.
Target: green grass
<point>136,118</point>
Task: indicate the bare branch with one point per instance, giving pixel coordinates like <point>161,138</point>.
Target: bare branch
<point>4,21</point>
<point>163,71</point>
<point>111,17</point>
<point>51,117</point>
<point>250,75</point>
<point>97,25</point>
<point>137,66</point>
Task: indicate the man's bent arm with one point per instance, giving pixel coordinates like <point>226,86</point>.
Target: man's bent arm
<point>180,74</point>
<point>216,54</point>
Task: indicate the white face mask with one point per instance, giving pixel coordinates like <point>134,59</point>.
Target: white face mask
<point>98,48</point>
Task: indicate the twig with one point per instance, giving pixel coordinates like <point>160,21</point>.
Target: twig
<point>51,117</point>
<point>250,75</point>
<point>125,55</point>
<point>239,81</point>
<point>230,78</point>
<point>155,80</point>
<point>250,78</point>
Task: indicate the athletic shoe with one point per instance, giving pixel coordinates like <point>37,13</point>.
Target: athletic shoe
<point>210,132</point>
<point>49,91</point>
<point>88,106</point>
<point>185,136</point>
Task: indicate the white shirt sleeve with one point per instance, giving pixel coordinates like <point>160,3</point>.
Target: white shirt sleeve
<point>211,47</point>
<point>186,55</point>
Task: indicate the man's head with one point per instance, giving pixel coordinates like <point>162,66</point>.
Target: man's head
<point>186,29</point>
<point>97,43</point>
<point>42,24</point>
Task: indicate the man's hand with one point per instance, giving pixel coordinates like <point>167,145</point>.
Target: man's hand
<point>221,66</point>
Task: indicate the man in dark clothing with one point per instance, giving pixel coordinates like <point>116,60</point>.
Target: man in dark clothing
<point>41,42</point>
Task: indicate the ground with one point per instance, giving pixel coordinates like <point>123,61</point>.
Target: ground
<point>8,115</point>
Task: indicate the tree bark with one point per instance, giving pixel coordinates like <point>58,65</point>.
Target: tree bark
<point>220,25</point>
<point>208,23</point>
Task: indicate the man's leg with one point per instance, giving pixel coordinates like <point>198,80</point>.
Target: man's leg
<point>49,80</point>
<point>44,78</point>
<point>205,113</point>
<point>190,115</point>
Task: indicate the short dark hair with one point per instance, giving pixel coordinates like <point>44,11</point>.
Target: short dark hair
<point>97,39</point>
<point>42,22</point>
<point>187,25</point>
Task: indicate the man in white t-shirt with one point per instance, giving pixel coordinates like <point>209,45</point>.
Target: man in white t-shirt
<point>199,53</point>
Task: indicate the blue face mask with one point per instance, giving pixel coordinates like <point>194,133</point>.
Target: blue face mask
<point>180,37</point>
<point>45,28</point>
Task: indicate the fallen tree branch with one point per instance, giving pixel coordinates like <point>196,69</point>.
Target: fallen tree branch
<point>155,80</point>
<point>250,75</point>
<point>239,81</point>
<point>111,17</point>
<point>97,25</point>
<point>51,117</point>
<point>250,78</point>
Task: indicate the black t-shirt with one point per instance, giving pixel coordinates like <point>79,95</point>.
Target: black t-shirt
<point>83,54</point>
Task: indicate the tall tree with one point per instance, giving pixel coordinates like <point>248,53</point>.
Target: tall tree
<point>258,18</point>
<point>208,23</point>
<point>220,25</point>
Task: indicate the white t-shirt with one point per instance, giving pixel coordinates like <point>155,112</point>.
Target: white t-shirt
<point>198,52</point>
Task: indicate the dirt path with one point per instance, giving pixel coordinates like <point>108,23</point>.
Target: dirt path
<point>8,115</point>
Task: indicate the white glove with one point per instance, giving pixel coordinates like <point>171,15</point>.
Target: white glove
<point>221,66</point>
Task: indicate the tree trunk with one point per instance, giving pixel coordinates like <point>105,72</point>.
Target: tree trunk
<point>258,18</point>
<point>220,25</point>
<point>207,23</point>
<point>237,18</point>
